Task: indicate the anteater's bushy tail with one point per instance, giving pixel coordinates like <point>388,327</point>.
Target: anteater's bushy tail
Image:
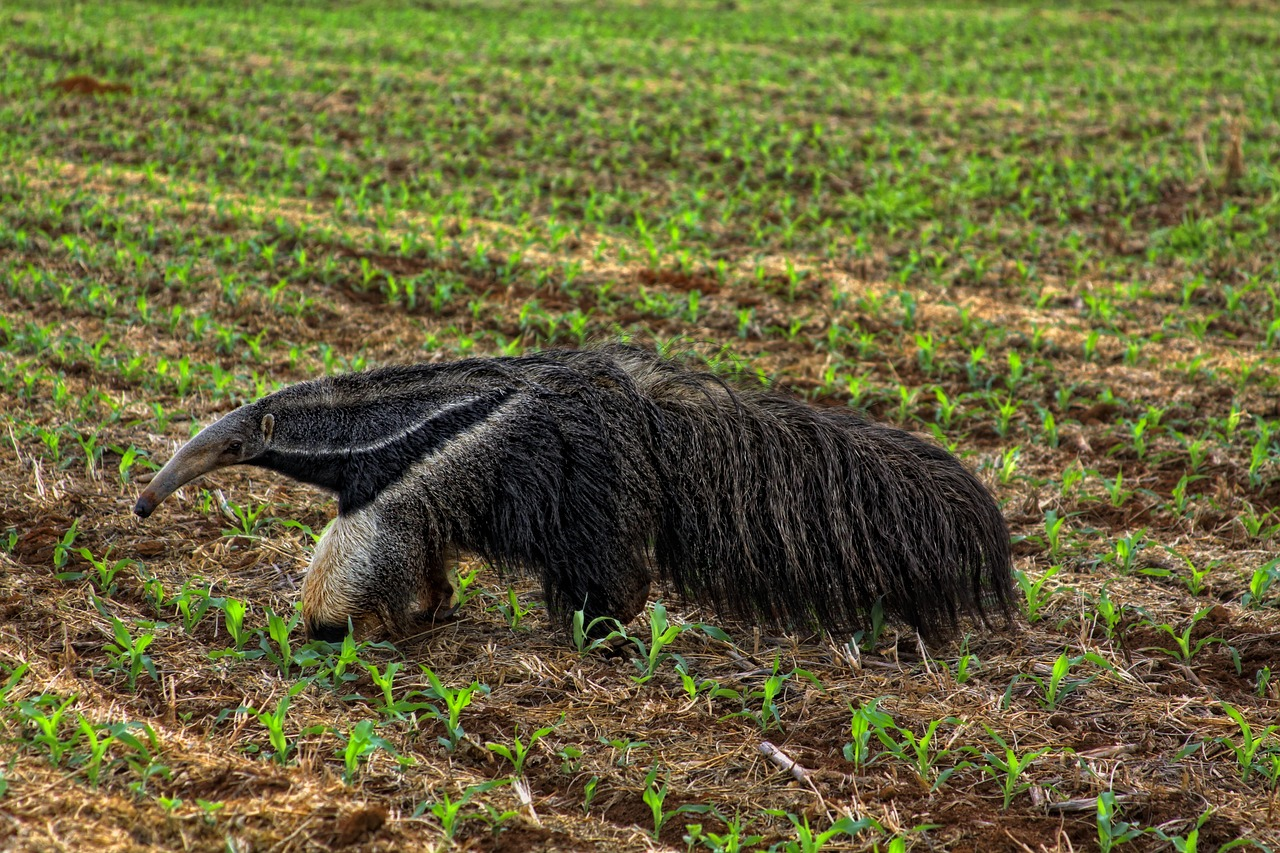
<point>778,512</point>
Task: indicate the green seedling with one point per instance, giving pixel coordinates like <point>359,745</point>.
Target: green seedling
<point>694,686</point>
<point>589,793</point>
<point>1116,491</point>
<point>1072,476</point>
<point>128,653</point>
<point>1112,832</point>
<point>1125,551</point>
<point>1037,593</point>
<point>233,613</point>
<point>518,750</point>
<point>466,588</point>
<point>946,411</point>
<point>1259,525</point>
<point>1185,648</point>
<point>966,663</point>
<point>655,797</point>
<point>733,840</point>
<point>455,702</point>
<point>104,571</point>
<point>137,746</point>
<point>45,714</point>
<point>128,458</point>
<point>276,646</point>
<point>12,678</point>
<point>512,611</point>
<point>570,756</point>
<point>1008,466</point>
<point>624,747</point>
<point>769,716</point>
<point>1272,769</point>
<point>449,811</point>
<point>1190,843</point>
<point>1107,611</point>
<point>335,663</point>
<point>662,633</point>
<point>869,639</point>
<point>210,809</point>
<point>1246,749</point>
<point>250,521</point>
<point>1181,496</point>
<point>1194,577</point>
<point>64,547</point>
<point>919,751</point>
<point>867,720</point>
<point>360,743</point>
<point>1261,581</point>
<point>1261,682</point>
<point>273,721</point>
<point>389,706</point>
<point>192,603</point>
<point>1058,686</point>
<point>589,637</point>
<point>809,841</point>
<point>1053,533</point>
<point>1007,767</point>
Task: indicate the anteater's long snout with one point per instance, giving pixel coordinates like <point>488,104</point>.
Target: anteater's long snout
<point>146,504</point>
<point>197,457</point>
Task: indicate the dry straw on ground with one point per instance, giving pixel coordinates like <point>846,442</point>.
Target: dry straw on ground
<point>164,228</point>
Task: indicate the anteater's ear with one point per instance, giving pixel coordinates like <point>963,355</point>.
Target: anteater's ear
<point>268,425</point>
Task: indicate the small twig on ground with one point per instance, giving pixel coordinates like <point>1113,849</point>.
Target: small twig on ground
<point>1085,804</point>
<point>784,761</point>
<point>223,506</point>
<point>789,764</point>
<point>1191,676</point>
<point>1109,751</point>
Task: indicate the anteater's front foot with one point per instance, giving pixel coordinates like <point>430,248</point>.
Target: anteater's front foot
<point>425,620</point>
<point>437,599</point>
<point>326,631</point>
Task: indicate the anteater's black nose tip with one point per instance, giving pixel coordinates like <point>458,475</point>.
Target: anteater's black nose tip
<point>144,507</point>
<point>326,631</point>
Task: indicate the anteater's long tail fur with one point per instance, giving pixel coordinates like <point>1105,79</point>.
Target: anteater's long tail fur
<point>600,470</point>
<point>778,512</point>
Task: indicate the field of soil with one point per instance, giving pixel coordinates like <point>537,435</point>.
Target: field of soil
<point>1045,238</point>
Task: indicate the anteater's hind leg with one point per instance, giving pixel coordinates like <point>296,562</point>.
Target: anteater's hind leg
<point>615,592</point>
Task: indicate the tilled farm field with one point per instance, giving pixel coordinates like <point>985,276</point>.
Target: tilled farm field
<point>1047,238</point>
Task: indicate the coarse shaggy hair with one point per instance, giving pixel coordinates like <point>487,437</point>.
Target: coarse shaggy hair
<point>602,470</point>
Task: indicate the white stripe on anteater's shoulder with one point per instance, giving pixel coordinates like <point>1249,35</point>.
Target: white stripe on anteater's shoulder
<point>461,449</point>
<point>344,561</point>
<point>379,443</point>
<point>349,555</point>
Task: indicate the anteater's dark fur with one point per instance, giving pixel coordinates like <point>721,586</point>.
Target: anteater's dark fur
<point>598,470</point>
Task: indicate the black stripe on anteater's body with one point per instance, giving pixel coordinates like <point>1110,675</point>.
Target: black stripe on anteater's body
<point>601,470</point>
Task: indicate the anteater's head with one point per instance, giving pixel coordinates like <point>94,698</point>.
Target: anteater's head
<point>238,438</point>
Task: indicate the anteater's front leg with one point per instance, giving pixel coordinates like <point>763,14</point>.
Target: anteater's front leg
<point>435,592</point>
<point>377,562</point>
<point>331,591</point>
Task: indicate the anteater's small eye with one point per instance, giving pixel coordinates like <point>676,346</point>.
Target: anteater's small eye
<point>234,447</point>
